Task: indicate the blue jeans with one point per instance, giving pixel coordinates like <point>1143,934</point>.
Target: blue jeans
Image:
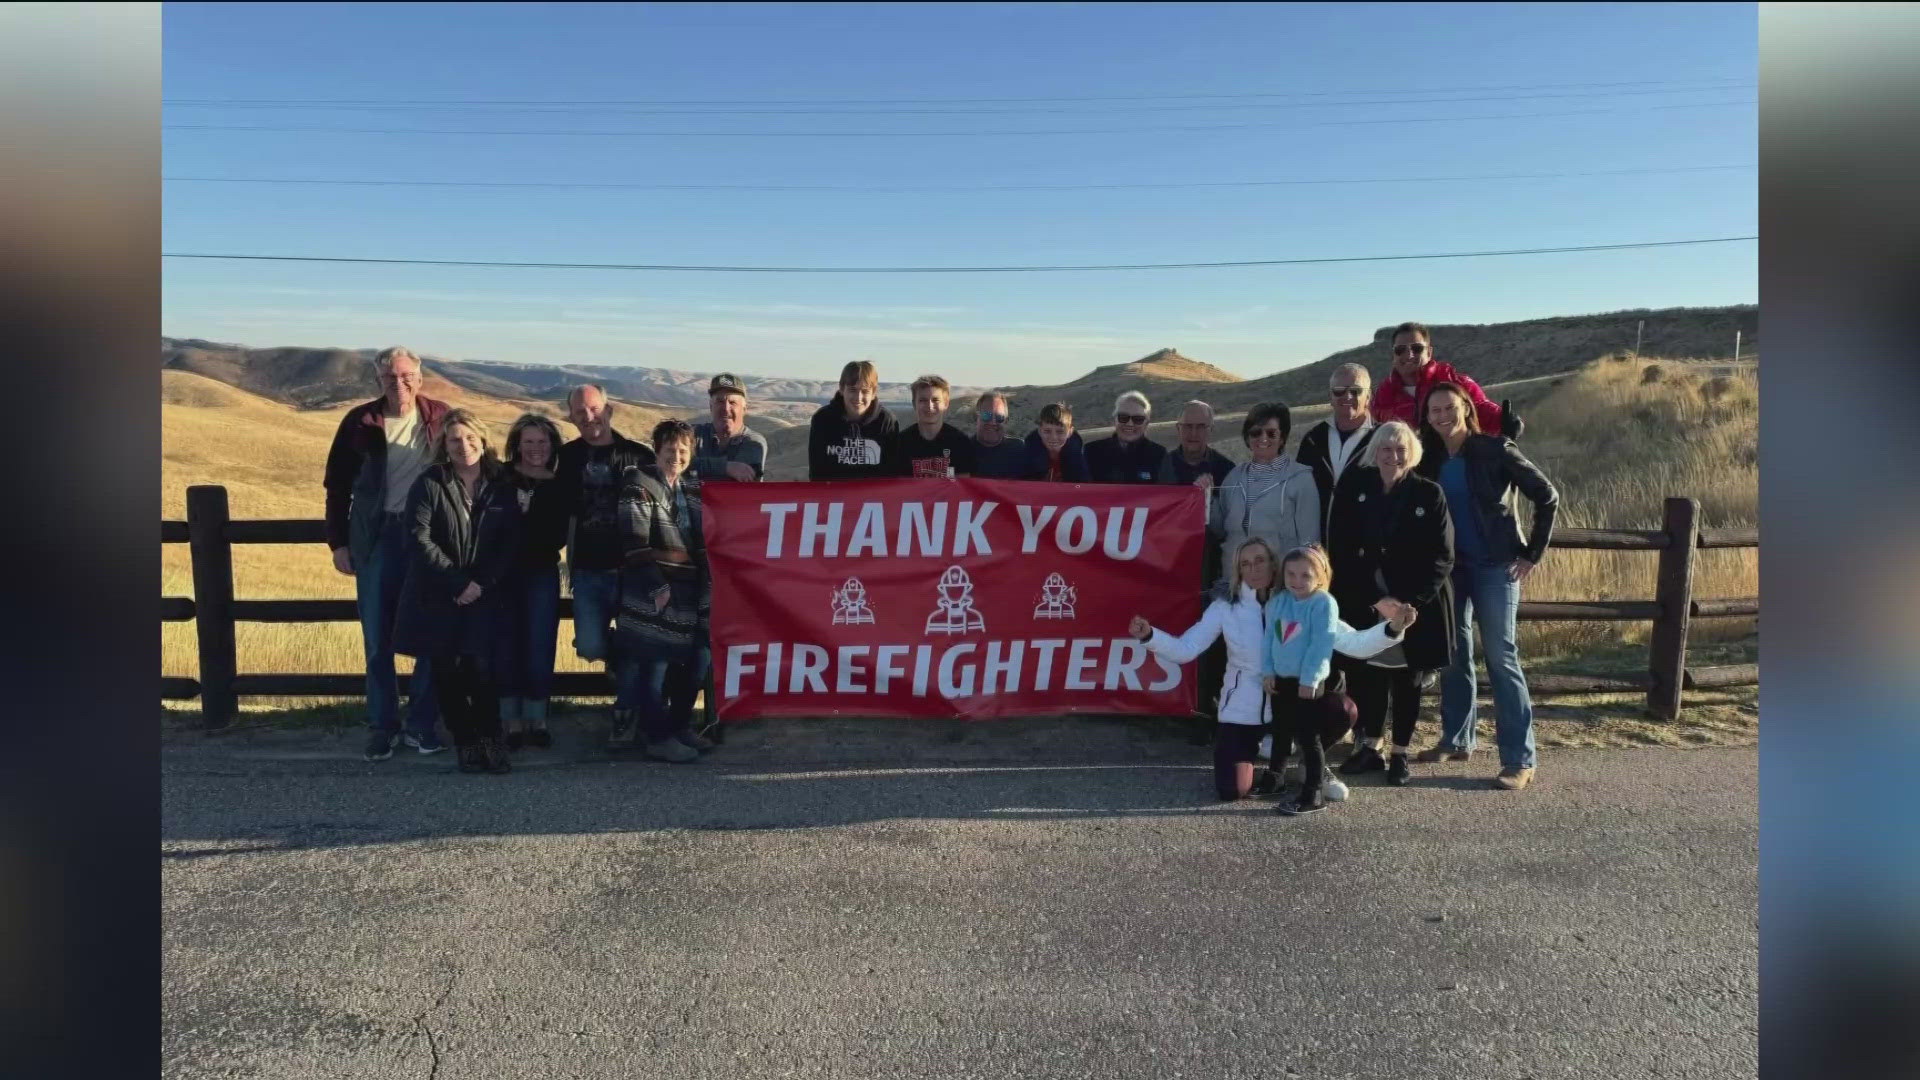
<point>376,588</point>
<point>662,682</point>
<point>529,627</point>
<point>1487,596</point>
<point>596,601</point>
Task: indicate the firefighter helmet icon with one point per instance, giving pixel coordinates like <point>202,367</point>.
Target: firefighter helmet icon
<point>955,613</point>
<point>1056,599</point>
<point>850,604</point>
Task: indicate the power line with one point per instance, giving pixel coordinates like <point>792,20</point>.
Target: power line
<point>931,134</point>
<point>952,269</point>
<point>946,101</point>
<point>561,108</point>
<point>629,186</point>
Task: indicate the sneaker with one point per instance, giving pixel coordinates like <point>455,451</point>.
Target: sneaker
<point>1397,772</point>
<point>1364,760</point>
<point>539,737</point>
<point>699,742</point>
<point>1434,754</point>
<point>380,746</point>
<point>1305,804</point>
<point>672,750</point>
<point>516,739</point>
<point>471,757</point>
<point>1513,778</point>
<point>1333,790</point>
<point>1265,786</point>
<point>426,744</point>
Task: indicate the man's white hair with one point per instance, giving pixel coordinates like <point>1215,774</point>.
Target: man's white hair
<point>1196,403</point>
<point>1133,395</point>
<point>383,360</point>
<point>1355,373</point>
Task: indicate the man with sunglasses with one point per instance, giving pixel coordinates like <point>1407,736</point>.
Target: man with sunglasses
<point>1127,456</point>
<point>994,455</point>
<point>1340,441</point>
<point>1415,370</point>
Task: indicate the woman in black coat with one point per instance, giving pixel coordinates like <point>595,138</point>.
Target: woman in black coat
<point>463,520</point>
<point>1389,535</point>
<point>1477,472</point>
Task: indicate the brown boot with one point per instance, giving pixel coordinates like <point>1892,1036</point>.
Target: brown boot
<point>1513,779</point>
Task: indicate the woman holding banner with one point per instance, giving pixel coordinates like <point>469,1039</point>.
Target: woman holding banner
<point>1235,613</point>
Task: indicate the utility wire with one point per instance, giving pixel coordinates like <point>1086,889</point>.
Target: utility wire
<point>950,269</point>
<point>944,101</point>
<point>628,186</point>
<point>932,134</point>
<point>559,108</point>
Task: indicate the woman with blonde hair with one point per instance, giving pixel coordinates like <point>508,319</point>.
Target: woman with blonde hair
<point>1389,536</point>
<point>1235,612</point>
<point>463,518</point>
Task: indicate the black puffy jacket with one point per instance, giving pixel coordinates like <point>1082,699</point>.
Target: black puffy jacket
<point>450,547</point>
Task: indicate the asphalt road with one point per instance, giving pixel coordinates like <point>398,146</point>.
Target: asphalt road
<point>1048,902</point>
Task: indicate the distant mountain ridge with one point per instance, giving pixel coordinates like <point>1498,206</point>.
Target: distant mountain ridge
<point>320,377</point>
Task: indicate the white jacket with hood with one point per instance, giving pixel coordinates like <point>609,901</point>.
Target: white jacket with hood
<point>1243,698</point>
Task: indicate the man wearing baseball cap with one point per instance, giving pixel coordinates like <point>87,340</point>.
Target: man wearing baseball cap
<point>724,449</point>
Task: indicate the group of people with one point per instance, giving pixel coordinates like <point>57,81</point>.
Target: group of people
<point>1345,579</point>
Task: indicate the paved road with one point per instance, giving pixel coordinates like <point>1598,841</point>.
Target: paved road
<point>1075,908</point>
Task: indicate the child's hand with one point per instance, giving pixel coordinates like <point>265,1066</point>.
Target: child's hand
<point>1309,693</point>
<point>1140,628</point>
<point>1268,681</point>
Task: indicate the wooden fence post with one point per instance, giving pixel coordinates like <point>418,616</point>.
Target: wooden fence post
<point>213,601</point>
<point>1667,654</point>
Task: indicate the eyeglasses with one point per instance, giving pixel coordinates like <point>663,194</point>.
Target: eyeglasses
<point>993,418</point>
<point>1128,418</point>
<point>411,378</point>
<point>1196,427</point>
<point>1348,391</point>
<point>1415,349</point>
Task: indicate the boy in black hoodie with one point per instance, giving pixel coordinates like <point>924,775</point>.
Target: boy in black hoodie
<point>853,437</point>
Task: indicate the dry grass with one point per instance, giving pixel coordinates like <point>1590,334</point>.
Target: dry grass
<point>1614,443</point>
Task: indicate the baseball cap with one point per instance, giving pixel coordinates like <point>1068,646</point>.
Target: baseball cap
<point>726,384</point>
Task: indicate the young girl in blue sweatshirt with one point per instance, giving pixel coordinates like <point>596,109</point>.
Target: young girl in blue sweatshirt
<point>1301,619</point>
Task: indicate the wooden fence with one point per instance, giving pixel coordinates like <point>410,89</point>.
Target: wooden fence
<point>210,535</point>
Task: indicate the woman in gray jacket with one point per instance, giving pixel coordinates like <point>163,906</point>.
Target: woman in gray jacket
<point>1270,496</point>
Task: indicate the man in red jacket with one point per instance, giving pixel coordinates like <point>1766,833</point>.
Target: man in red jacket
<point>1404,390</point>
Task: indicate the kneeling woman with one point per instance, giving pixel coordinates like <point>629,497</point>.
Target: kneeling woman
<point>463,524</point>
<point>1235,613</point>
<point>665,597</point>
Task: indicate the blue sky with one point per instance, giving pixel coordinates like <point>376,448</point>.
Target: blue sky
<point>770,94</point>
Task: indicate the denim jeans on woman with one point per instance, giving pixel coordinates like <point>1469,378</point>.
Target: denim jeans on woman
<point>1489,597</point>
<point>376,588</point>
<point>529,628</point>
<point>663,681</point>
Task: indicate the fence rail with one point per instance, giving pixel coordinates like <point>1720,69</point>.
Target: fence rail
<point>211,534</point>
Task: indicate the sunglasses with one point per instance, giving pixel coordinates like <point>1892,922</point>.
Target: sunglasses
<point>1415,349</point>
<point>1264,433</point>
<point>1348,391</point>
<point>993,418</point>
<point>1128,418</point>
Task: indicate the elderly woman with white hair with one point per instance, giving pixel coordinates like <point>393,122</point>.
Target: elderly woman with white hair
<point>1389,535</point>
<point>1127,456</point>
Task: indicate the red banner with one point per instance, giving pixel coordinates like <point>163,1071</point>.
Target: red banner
<point>968,598</point>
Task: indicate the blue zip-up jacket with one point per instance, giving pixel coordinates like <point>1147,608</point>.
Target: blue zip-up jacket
<point>1299,637</point>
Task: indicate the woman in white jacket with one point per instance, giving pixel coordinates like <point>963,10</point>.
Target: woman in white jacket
<point>1236,615</point>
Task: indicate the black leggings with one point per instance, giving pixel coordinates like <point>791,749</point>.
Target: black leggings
<point>468,700</point>
<point>1375,690</point>
<point>1297,721</point>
